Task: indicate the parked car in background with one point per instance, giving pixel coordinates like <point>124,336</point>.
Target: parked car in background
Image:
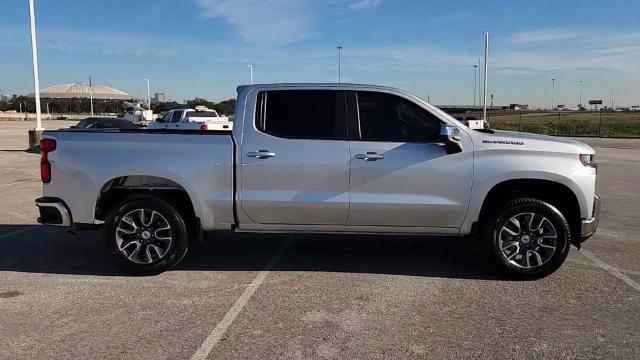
<point>105,123</point>
<point>324,158</point>
<point>199,118</point>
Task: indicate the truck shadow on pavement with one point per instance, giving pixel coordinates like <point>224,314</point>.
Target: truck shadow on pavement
<point>37,249</point>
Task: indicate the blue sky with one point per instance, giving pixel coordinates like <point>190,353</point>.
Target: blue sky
<point>202,48</point>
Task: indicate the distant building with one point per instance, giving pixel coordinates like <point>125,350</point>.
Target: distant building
<point>158,98</point>
<point>5,98</point>
<point>518,106</point>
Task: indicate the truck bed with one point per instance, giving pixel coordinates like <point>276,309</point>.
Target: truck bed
<point>201,162</point>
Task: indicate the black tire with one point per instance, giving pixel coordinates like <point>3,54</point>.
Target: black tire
<point>494,234</point>
<point>174,249</point>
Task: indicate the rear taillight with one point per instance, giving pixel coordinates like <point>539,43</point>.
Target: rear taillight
<point>204,127</point>
<point>46,146</point>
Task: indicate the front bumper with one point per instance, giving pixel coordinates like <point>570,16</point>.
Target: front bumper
<point>588,226</point>
<point>53,211</point>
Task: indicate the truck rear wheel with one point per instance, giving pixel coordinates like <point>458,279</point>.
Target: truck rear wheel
<point>526,238</point>
<point>145,235</point>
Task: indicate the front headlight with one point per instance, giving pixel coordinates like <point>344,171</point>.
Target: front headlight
<point>586,159</point>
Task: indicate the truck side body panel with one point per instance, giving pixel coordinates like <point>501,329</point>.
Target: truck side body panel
<point>507,156</point>
<point>202,164</point>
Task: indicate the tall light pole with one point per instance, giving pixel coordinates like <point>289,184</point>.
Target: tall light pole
<point>34,57</point>
<point>486,73</point>
<point>90,94</point>
<point>479,91</point>
<point>148,94</point>
<point>475,83</point>
<point>250,73</point>
<point>553,92</point>
<point>580,103</point>
<point>611,91</point>
<point>339,63</point>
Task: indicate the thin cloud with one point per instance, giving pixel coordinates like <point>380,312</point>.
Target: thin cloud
<point>92,41</point>
<point>570,49</point>
<point>364,4</point>
<point>547,36</point>
<point>269,22</point>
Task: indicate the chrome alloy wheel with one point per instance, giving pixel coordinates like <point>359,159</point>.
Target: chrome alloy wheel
<point>527,240</point>
<point>143,236</point>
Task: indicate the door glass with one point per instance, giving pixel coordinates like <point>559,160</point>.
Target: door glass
<point>165,118</point>
<point>176,116</point>
<point>390,118</point>
<point>302,114</point>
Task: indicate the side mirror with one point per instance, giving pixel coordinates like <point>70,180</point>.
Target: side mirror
<point>450,135</point>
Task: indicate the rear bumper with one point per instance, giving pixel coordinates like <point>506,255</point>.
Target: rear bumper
<point>588,226</point>
<point>53,211</point>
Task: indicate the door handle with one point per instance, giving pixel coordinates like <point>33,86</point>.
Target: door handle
<point>261,154</point>
<point>370,156</point>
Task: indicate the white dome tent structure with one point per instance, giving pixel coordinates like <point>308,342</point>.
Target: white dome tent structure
<point>83,90</point>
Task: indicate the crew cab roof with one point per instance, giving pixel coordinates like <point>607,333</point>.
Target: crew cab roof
<point>346,86</point>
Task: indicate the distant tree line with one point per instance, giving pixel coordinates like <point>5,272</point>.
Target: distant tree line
<point>83,106</point>
<point>224,107</point>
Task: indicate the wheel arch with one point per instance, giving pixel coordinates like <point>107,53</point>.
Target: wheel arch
<point>116,189</point>
<point>560,195</point>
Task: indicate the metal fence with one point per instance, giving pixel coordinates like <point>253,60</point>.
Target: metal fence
<point>570,123</point>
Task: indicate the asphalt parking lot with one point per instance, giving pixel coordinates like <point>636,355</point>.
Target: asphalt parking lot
<point>326,297</point>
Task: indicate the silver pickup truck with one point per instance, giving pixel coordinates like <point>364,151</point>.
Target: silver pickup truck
<point>323,158</point>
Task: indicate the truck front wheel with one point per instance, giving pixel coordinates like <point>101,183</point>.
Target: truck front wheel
<point>526,238</point>
<point>145,235</point>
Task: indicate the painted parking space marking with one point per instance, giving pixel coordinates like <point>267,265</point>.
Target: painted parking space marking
<point>590,263</point>
<point>218,332</point>
<point>610,269</point>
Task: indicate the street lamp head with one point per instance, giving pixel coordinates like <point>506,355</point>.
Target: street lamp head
<point>339,47</point>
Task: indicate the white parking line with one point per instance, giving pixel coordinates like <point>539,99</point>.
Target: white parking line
<point>610,269</point>
<point>590,263</point>
<point>212,340</point>
<point>19,182</point>
<point>16,232</point>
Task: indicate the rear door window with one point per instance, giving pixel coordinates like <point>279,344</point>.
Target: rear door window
<point>176,116</point>
<point>302,114</point>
